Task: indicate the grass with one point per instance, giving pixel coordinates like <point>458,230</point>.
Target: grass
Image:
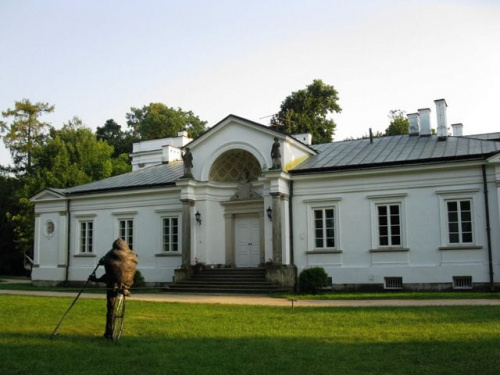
<point>320,296</point>
<point>396,295</point>
<point>172,338</point>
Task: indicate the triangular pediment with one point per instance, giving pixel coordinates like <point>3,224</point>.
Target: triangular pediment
<point>495,159</point>
<point>236,133</point>
<point>48,195</point>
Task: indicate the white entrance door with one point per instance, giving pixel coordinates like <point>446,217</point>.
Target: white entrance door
<point>247,241</point>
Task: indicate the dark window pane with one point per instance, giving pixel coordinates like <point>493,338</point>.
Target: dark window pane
<point>329,223</point>
<point>396,240</point>
<point>466,216</point>
<point>466,227</point>
<point>467,237</point>
<point>383,231</point>
<point>382,220</point>
<point>453,227</point>
<point>452,217</point>
<point>394,210</point>
<point>330,242</point>
<point>382,210</point>
<point>454,238</point>
<point>465,205</point>
<point>383,240</point>
<point>452,206</point>
<point>395,220</point>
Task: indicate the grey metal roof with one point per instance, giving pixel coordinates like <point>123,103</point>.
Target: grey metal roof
<point>158,175</point>
<point>486,136</point>
<point>394,150</point>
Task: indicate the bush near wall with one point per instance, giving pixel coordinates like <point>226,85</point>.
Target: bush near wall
<point>311,280</point>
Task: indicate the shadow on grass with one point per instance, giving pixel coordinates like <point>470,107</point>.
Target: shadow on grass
<point>79,354</point>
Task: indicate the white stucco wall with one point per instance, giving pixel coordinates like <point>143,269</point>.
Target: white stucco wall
<point>421,191</point>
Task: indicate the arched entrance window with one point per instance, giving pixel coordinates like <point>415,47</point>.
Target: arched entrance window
<point>235,165</point>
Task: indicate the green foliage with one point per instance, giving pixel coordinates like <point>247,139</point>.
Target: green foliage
<point>26,132</point>
<point>73,156</point>
<point>112,133</point>
<point>156,120</point>
<point>53,158</point>
<point>306,111</point>
<point>177,338</point>
<point>399,125</point>
<point>11,261</point>
<point>138,279</point>
<point>312,279</point>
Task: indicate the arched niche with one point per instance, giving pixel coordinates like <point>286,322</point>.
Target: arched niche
<point>235,165</point>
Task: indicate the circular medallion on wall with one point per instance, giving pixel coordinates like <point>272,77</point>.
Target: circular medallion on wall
<point>49,228</point>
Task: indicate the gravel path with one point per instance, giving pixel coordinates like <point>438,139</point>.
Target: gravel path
<point>265,300</point>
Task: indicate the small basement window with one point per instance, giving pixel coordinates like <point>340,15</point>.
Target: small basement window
<point>462,282</point>
<point>393,283</point>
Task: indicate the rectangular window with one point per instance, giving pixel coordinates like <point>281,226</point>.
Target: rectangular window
<point>459,221</point>
<point>324,228</point>
<point>126,231</point>
<point>171,234</point>
<point>389,225</point>
<point>86,236</point>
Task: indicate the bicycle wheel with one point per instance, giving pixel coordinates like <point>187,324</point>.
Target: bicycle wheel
<point>118,316</point>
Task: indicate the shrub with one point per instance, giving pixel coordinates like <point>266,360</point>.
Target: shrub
<point>138,279</point>
<point>312,279</point>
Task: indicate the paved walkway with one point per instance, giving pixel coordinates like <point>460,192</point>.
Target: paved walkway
<point>264,300</point>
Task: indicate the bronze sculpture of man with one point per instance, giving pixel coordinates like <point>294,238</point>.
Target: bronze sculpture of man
<point>120,264</point>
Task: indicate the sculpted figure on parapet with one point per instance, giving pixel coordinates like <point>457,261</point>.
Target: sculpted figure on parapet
<point>187,158</point>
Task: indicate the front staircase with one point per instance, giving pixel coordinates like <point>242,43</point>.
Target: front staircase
<point>228,281</point>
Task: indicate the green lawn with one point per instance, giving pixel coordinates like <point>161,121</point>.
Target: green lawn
<point>171,338</point>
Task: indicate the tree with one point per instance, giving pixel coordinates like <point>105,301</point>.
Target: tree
<point>11,261</point>
<point>26,132</point>
<point>156,120</point>
<point>73,156</point>
<point>306,111</point>
<point>399,123</point>
<point>112,133</point>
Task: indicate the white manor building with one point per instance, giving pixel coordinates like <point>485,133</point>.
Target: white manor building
<point>417,211</point>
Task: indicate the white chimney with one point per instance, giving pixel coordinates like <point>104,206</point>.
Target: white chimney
<point>414,119</point>
<point>442,128</point>
<point>457,129</point>
<point>425,121</point>
<point>305,138</point>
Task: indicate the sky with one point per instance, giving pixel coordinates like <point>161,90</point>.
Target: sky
<point>96,59</point>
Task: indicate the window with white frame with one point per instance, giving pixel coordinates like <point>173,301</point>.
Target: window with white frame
<point>170,235</point>
<point>389,224</point>
<point>323,225</point>
<point>324,228</point>
<point>86,236</point>
<point>459,216</point>
<point>126,231</point>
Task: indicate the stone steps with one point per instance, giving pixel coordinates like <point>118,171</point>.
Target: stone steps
<point>228,281</point>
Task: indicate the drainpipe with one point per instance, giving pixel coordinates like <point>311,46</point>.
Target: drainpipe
<point>68,240</point>
<point>488,227</point>
<point>290,224</point>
